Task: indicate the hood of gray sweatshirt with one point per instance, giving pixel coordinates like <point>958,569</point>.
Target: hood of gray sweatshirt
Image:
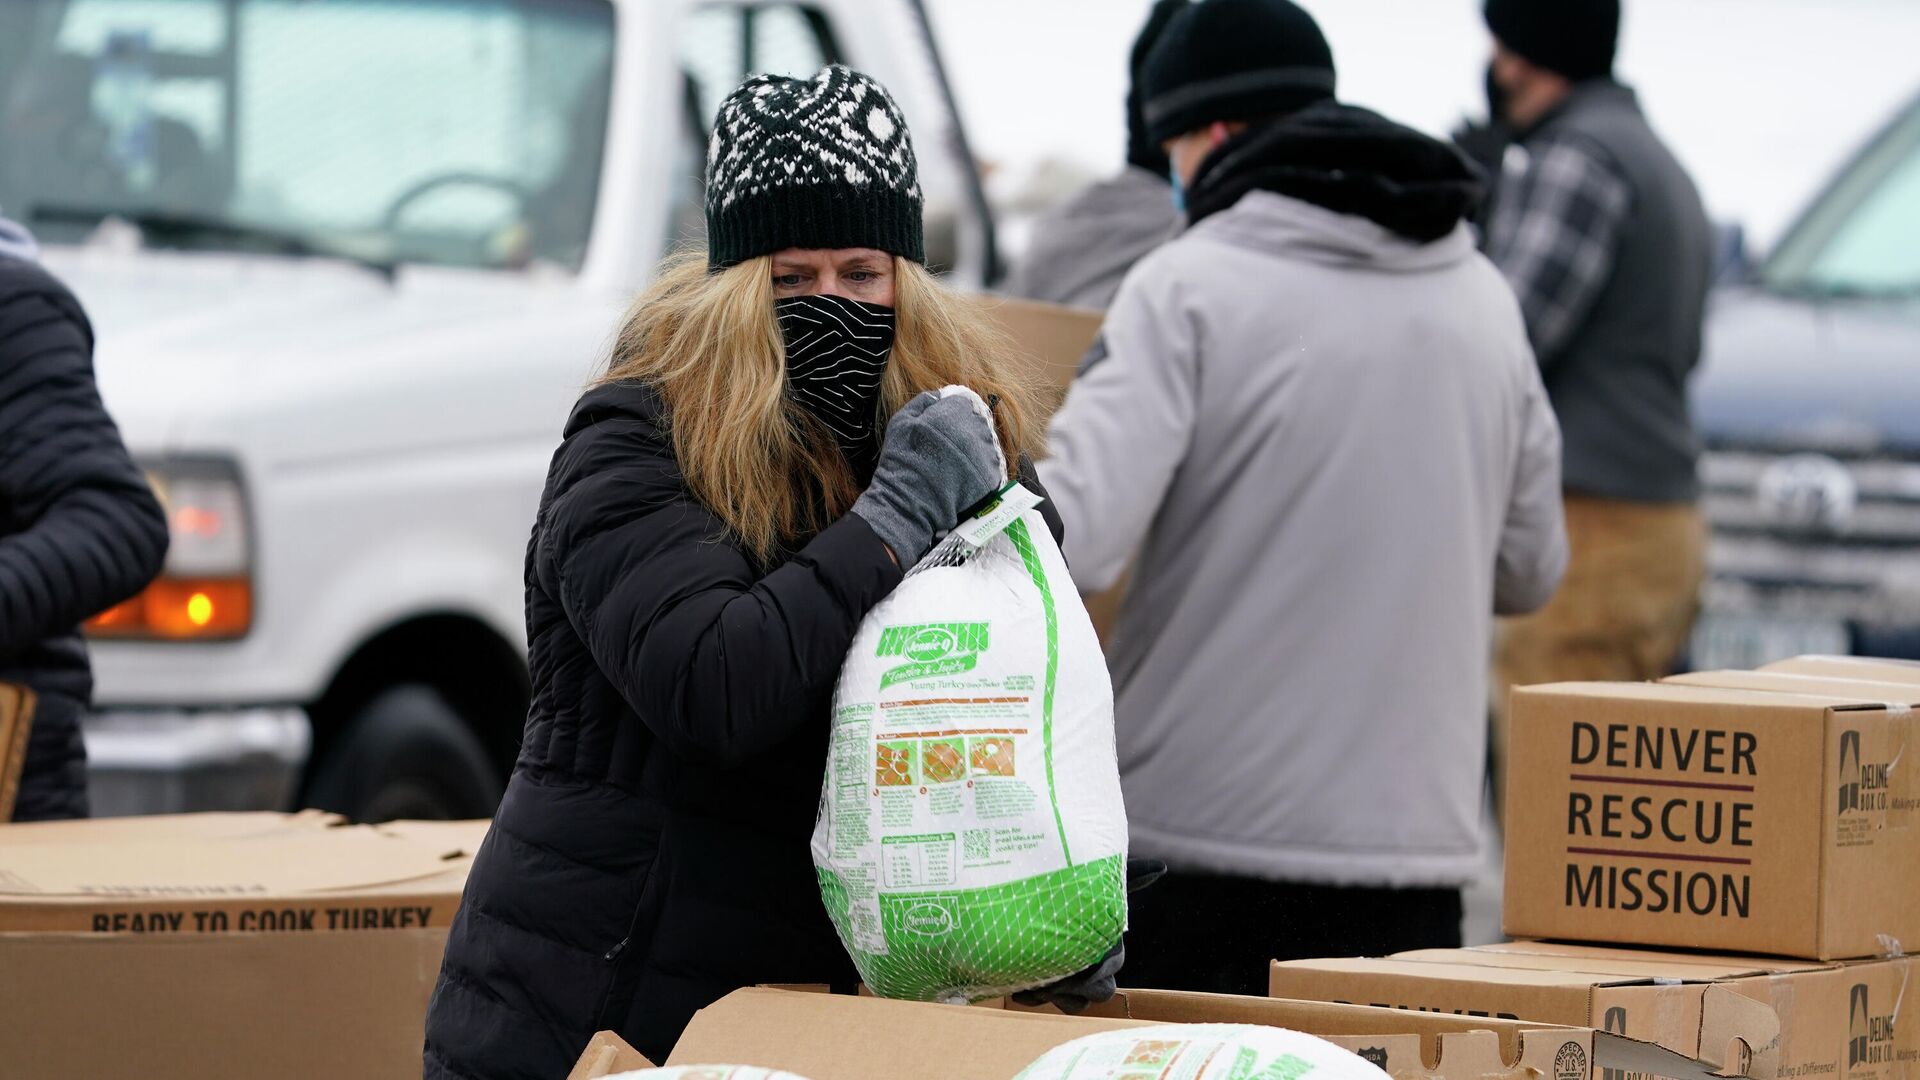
<point>1325,450</point>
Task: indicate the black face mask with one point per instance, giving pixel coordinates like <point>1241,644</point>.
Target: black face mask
<point>837,351</point>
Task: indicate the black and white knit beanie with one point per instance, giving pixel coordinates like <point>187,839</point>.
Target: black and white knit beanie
<point>811,163</point>
<point>1226,60</point>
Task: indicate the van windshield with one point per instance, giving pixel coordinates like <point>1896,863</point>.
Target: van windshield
<point>458,132</point>
<point>1862,237</point>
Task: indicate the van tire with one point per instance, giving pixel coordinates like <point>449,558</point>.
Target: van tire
<point>405,753</point>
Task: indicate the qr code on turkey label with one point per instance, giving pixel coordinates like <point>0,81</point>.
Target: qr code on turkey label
<point>977,844</point>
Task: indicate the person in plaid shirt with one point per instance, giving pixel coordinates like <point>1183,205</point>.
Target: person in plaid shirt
<point>1603,237</point>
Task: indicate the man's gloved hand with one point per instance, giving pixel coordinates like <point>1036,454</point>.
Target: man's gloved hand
<point>1096,984</point>
<point>1075,992</point>
<point>939,457</point>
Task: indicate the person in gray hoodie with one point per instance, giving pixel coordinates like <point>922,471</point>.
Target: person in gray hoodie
<point>1316,418</point>
<point>1082,249</point>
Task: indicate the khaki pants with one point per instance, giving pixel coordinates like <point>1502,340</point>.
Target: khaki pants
<point>1623,612</point>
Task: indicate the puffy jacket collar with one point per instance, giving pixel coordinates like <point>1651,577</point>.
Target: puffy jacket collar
<point>1350,161</point>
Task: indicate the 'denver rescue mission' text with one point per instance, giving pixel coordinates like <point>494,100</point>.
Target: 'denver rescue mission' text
<point>1611,823</point>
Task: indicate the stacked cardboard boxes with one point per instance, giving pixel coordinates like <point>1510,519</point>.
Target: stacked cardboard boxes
<point>837,1037</point>
<point>223,945</point>
<point>1771,814</point>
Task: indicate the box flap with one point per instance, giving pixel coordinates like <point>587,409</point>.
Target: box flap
<point>605,1055</point>
<point>219,825</point>
<point>16,718</point>
<point>1635,968</point>
<point>218,873</point>
<point>1841,691</point>
<point>289,862</point>
<point>1055,338</point>
<point>833,1036</point>
<point>1351,1026</point>
<point>1768,965</point>
<point>1679,692</point>
<point>1851,667</point>
<point>1738,1035</point>
<point>1448,964</point>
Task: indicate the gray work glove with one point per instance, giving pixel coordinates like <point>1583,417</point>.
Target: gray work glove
<point>938,459</point>
<point>1075,992</point>
<point>1098,983</point>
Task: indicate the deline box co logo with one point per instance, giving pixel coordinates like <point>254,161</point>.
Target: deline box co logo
<point>1869,1037</point>
<point>933,649</point>
<point>1863,785</point>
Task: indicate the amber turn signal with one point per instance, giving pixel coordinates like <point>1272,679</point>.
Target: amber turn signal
<point>181,609</point>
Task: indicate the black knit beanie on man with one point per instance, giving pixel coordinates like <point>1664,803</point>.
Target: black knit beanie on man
<point>1143,151</point>
<point>1575,38</point>
<point>811,163</point>
<point>1226,60</point>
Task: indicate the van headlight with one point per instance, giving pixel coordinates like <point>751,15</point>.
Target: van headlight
<point>205,591</point>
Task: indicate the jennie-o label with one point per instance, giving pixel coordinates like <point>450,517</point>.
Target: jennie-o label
<point>971,839</point>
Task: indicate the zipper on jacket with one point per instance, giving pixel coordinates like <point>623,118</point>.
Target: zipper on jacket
<point>614,953</point>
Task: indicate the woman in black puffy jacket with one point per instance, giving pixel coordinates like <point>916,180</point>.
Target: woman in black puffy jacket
<point>80,530</point>
<point>724,509</point>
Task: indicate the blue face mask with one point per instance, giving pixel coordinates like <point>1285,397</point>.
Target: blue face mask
<point>1179,189</point>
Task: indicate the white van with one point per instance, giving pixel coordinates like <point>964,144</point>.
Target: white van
<point>349,262</point>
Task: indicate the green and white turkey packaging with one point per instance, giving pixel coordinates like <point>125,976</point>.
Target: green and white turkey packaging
<point>1727,811</point>
<point>971,840</point>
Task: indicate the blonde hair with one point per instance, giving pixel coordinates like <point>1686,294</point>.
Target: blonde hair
<point>709,346</point>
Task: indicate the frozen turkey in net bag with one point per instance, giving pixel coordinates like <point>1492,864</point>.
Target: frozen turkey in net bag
<point>1201,1052</point>
<point>971,840</point>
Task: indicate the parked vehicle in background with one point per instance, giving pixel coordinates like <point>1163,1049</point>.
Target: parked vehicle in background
<point>1810,407</point>
<point>349,264</point>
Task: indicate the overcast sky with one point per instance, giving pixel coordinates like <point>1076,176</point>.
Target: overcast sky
<point>1762,98</point>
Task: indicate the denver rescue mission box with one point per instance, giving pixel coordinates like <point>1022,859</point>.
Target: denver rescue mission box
<point>205,946</point>
<point>1731,817</point>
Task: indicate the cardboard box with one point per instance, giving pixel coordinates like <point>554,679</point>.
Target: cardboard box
<point>605,1055</point>
<point>1054,337</point>
<point>223,945</point>
<point>16,720</point>
<point>1718,817</point>
<point>216,873</point>
<point>835,1037</point>
<point>1694,1018</point>
<point>1837,1019</point>
<point>1850,667</point>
